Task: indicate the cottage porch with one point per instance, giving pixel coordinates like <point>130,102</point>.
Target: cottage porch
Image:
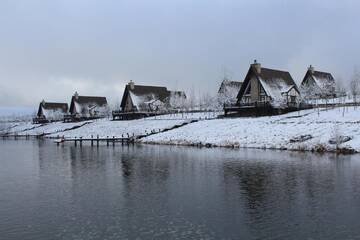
<point>256,109</point>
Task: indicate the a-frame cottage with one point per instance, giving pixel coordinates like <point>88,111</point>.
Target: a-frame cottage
<point>87,107</point>
<point>266,91</point>
<point>50,111</point>
<point>317,84</point>
<point>140,100</point>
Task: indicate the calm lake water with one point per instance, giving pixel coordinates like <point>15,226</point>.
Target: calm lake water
<point>162,192</point>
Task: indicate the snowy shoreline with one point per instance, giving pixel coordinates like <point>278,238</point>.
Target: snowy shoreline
<point>331,130</point>
<point>325,130</point>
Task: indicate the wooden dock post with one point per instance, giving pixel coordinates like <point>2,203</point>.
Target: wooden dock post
<point>92,140</point>
<point>113,141</point>
<point>75,142</point>
<point>97,140</point>
<point>107,140</point>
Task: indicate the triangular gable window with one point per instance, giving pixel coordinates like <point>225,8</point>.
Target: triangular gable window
<point>262,91</point>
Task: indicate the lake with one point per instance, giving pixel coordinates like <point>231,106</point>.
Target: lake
<point>169,192</point>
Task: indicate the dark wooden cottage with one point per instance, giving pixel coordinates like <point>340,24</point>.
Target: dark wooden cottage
<point>266,91</point>
<point>87,107</point>
<point>50,111</point>
<point>140,100</point>
<point>317,84</point>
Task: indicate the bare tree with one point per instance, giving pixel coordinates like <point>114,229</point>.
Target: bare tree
<point>192,99</point>
<point>355,85</point>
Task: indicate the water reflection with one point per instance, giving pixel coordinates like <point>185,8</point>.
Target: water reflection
<point>162,192</point>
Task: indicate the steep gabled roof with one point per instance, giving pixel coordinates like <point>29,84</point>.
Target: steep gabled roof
<point>53,106</point>
<point>90,99</point>
<point>322,79</point>
<point>100,101</point>
<point>225,84</point>
<point>140,90</point>
<point>144,93</point>
<point>274,82</point>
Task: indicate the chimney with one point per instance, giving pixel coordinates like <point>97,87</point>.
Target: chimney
<point>132,85</point>
<point>76,95</point>
<point>257,66</point>
<point>311,69</point>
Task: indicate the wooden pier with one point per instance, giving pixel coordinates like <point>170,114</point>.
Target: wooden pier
<point>96,140</point>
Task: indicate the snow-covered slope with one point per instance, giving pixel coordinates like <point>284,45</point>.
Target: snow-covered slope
<point>280,132</point>
<point>105,127</point>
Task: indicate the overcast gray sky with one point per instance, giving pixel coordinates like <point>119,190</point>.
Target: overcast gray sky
<point>50,49</point>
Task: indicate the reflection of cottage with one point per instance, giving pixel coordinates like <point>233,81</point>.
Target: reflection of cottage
<point>50,111</point>
<point>88,107</point>
<point>317,84</point>
<point>266,91</point>
<point>228,91</point>
<point>139,98</point>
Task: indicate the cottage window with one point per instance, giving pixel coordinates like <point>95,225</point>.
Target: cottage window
<point>247,99</point>
<point>292,99</point>
<point>262,91</point>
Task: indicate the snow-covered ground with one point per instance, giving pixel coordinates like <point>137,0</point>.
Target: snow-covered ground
<point>305,130</point>
<point>276,132</point>
<point>27,128</point>
<point>338,100</point>
<point>56,128</point>
<point>105,127</point>
<point>188,116</point>
<point>15,127</point>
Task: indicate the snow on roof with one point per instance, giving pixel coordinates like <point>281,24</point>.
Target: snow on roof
<point>275,88</point>
<point>276,83</point>
<point>146,102</point>
<point>323,80</point>
<point>89,106</point>
<point>227,85</point>
<point>229,89</point>
<point>53,114</point>
<point>144,96</point>
<point>52,110</point>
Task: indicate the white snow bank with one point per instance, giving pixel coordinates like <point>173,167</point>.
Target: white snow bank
<point>270,132</point>
<point>53,128</point>
<point>105,127</point>
<point>27,128</point>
